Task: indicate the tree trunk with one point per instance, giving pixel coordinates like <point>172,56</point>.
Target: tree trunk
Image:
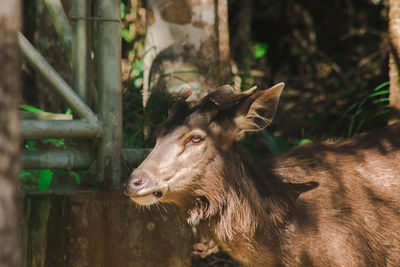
<point>240,44</point>
<point>10,254</point>
<point>394,62</point>
<point>187,43</point>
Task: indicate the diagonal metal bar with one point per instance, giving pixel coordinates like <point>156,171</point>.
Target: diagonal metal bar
<point>61,24</point>
<point>54,79</point>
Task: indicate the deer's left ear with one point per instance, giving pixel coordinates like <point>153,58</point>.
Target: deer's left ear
<point>257,111</point>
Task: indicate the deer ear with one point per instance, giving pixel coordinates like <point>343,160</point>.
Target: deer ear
<point>257,111</point>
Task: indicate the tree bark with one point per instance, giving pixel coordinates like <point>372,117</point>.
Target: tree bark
<point>242,39</point>
<point>394,62</point>
<point>10,254</point>
<point>187,43</point>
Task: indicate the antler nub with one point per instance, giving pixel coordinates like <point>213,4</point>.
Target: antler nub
<point>184,94</point>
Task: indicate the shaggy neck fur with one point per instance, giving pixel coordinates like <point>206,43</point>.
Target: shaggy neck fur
<point>243,221</point>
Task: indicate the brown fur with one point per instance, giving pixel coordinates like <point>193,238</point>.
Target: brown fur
<point>331,204</point>
<point>352,218</point>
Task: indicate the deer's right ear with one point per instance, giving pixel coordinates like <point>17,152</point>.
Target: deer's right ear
<point>257,111</point>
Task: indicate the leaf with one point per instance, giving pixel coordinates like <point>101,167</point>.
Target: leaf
<point>138,82</point>
<point>123,10</point>
<point>30,145</point>
<point>381,86</point>
<point>379,93</point>
<point>260,49</point>
<point>56,142</point>
<point>303,142</point>
<point>127,35</point>
<point>75,176</point>
<point>25,174</point>
<point>45,177</point>
<point>380,100</point>
<point>31,109</point>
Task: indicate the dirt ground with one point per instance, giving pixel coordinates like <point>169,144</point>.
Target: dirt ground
<point>219,259</point>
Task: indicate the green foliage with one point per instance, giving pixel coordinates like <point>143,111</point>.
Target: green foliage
<point>75,177</point>
<point>371,108</point>
<point>125,32</point>
<point>123,10</point>
<point>42,179</point>
<point>60,143</point>
<point>134,118</point>
<point>303,141</point>
<point>133,35</point>
<point>30,145</point>
<point>30,108</point>
<point>259,50</point>
<point>127,35</point>
<point>327,67</point>
<point>45,177</point>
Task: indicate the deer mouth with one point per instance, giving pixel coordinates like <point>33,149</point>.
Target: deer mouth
<point>148,197</point>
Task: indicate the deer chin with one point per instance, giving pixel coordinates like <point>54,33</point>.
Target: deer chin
<point>148,196</point>
<point>147,199</point>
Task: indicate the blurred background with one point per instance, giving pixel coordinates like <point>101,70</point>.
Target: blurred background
<point>332,55</point>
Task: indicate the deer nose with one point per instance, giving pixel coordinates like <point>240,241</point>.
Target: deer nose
<point>137,182</point>
<point>140,182</point>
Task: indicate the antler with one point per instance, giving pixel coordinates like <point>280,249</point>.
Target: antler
<point>184,94</point>
<point>179,105</point>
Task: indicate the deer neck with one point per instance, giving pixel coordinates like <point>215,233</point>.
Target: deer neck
<point>243,211</point>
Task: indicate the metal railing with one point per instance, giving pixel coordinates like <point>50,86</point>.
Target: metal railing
<point>105,126</point>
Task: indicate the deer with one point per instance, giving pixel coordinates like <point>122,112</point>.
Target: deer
<point>327,204</point>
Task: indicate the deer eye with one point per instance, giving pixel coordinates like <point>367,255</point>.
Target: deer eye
<point>196,139</point>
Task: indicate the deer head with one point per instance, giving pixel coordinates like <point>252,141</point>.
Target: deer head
<point>191,140</point>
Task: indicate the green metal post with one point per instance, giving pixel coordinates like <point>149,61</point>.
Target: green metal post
<point>69,159</point>
<point>79,48</point>
<point>39,129</point>
<point>107,59</point>
<point>75,159</point>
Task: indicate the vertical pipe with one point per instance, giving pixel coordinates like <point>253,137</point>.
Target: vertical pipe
<point>79,48</point>
<point>107,60</point>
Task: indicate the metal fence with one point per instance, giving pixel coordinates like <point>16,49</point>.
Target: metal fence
<point>105,126</point>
